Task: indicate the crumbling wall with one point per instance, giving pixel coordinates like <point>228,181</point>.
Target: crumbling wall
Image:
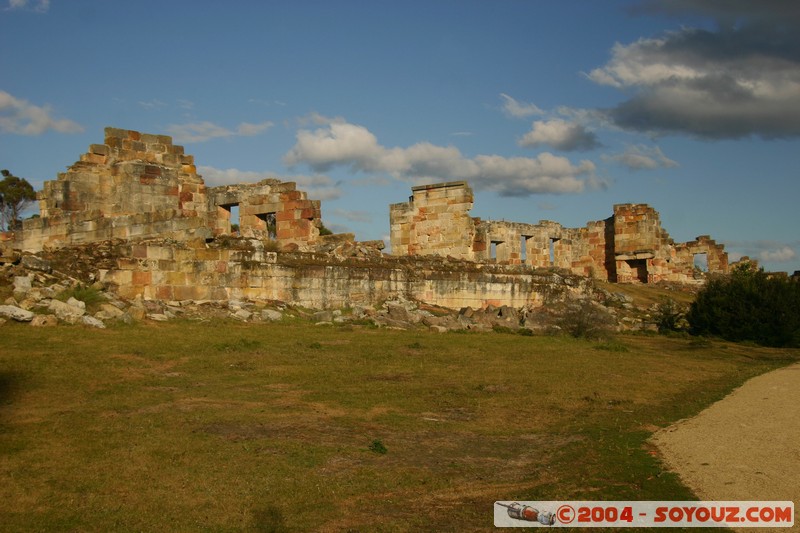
<point>546,244</point>
<point>132,186</point>
<point>139,186</point>
<point>434,221</point>
<point>644,251</point>
<point>628,247</point>
<point>270,210</point>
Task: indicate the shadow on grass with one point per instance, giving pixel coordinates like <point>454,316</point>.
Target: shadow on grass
<point>269,519</point>
<point>9,385</point>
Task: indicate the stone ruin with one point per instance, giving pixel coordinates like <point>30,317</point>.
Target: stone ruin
<point>137,186</point>
<point>133,217</point>
<point>628,247</point>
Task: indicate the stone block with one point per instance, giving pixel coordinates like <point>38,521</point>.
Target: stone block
<point>187,292</point>
<point>16,313</point>
<point>152,170</point>
<point>44,321</point>
<point>141,278</point>
<point>99,149</point>
<point>94,159</point>
<point>164,292</point>
<point>175,149</point>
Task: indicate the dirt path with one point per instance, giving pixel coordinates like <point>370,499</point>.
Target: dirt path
<point>744,447</point>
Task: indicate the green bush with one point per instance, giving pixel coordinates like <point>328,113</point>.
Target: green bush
<point>87,294</point>
<point>378,447</point>
<point>749,305</point>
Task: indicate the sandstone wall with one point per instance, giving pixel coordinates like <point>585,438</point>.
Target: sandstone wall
<point>644,251</point>
<point>630,246</point>
<point>172,272</point>
<point>132,186</point>
<point>268,210</point>
<point>138,186</point>
<point>435,221</point>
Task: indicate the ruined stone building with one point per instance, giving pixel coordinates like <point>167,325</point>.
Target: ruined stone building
<point>137,186</point>
<point>167,236</point>
<point>629,246</point>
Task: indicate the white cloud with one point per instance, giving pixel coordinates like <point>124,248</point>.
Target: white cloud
<point>247,129</point>
<point>152,104</point>
<point>642,157</point>
<point>782,254</point>
<point>204,131</point>
<point>352,216</point>
<point>559,134</point>
<point>41,6</point>
<point>765,250</point>
<point>732,83</point>
<point>515,109</point>
<point>318,186</point>
<point>23,118</point>
<point>339,143</point>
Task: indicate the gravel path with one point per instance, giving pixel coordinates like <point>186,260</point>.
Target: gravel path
<point>744,447</point>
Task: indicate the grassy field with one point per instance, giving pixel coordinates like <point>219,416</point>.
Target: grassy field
<point>290,427</point>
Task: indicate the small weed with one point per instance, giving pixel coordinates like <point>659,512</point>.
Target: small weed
<point>611,346</point>
<point>525,332</point>
<point>272,245</point>
<point>315,346</point>
<point>592,398</point>
<point>378,447</point>
<point>502,329</point>
<point>415,346</point>
<point>240,345</point>
<point>88,295</point>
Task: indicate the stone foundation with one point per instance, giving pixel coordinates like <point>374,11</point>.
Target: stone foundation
<point>164,271</point>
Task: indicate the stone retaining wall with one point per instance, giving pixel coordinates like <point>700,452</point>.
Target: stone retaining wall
<point>169,272</point>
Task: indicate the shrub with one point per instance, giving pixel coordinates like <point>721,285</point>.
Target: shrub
<point>378,447</point>
<point>669,315</point>
<point>585,320</point>
<point>749,305</point>
<point>271,245</point>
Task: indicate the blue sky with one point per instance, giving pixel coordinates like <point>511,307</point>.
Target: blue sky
<point>550,109</point>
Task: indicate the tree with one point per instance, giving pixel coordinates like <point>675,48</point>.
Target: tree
<point>16,194</point>
<point>749,305</point>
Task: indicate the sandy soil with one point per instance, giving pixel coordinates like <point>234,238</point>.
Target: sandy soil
<point>744,447</point>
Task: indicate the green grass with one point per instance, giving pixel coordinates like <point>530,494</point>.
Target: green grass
<point>290,427</point>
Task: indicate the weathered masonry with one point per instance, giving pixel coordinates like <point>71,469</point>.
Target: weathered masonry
<point>629,246</point>
<point>168,236</point>
<point>136,186</point>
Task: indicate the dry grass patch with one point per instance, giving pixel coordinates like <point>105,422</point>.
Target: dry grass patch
<point>291,427</point>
